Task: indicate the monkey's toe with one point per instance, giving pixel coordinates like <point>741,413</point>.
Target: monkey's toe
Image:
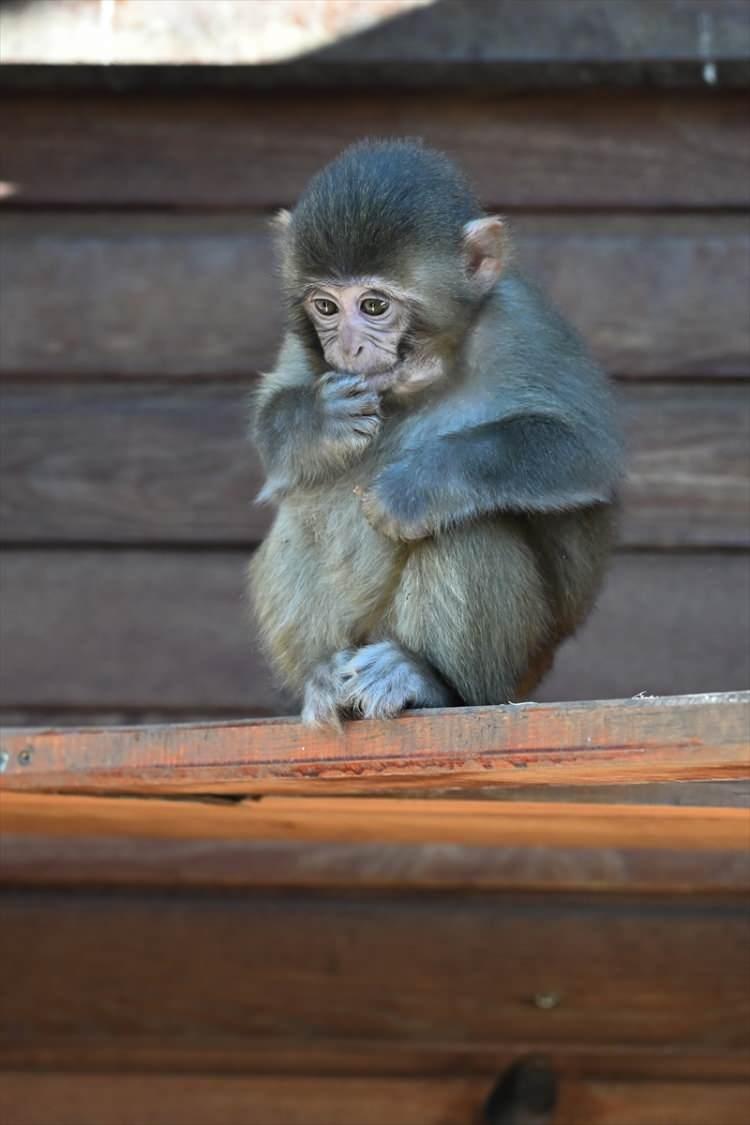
<point>321,703</point>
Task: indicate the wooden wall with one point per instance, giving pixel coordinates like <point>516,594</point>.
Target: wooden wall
<point>138,300</point>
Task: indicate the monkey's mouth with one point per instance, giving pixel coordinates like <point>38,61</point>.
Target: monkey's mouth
<point>386,377</point>
<point>381,380</point>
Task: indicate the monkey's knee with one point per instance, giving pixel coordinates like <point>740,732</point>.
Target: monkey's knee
<point>473,604</point>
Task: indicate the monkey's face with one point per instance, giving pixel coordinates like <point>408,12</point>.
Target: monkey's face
<point>361,326</point>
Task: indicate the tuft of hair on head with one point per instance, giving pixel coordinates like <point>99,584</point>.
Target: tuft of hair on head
<point>367,211</point>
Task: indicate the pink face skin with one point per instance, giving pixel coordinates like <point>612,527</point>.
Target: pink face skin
<point>359,326</point>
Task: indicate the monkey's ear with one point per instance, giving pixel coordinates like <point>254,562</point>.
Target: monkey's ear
<point>280,225</point>
<point>484,246</point>
<point>281,220</point>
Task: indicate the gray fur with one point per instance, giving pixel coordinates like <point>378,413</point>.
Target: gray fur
<point>377,681</point>
<point>435,548</point>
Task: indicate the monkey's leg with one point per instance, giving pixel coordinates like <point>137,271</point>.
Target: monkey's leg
<point>473,603</point>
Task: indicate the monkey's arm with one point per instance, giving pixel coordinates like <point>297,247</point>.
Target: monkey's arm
<point>522,464</point>
<point>309,430</point>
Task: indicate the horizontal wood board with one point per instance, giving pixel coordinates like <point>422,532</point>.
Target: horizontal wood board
<point>147,295</point>
<point>635,149</point>
<point>169,631</point>
<point>373,842</point>
<point>688,738</point>
<point>153,463</point>
<point>187,967</point>
<point>29,1098</point>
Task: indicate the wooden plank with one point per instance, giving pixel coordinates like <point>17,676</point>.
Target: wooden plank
<point>643,149</point>
<point>653,1103</point>
<point>374,843</point>
<point>681,738</point>
<point>29,1098</point>
<point>167,630</point>
<point>149,463</point>
<point>402,33</point>
<point>381,1058</point>
<point>84,1099</point>
<point>688,478</point>
<point>380,820</point>
<point>187,968</point>
<point>149,295</point>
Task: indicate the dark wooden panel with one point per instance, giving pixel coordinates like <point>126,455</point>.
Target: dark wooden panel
<point>688,478</point>
<point>377,843</point>
<point>640,149</point>
<point>152,463</point>
<point>167,630</point>
<point>31,1098</point>
<point>662,621</point>
<point>91,1099</point>
<point>653,1103</point>
<point>179,296</point>
<point>290,968</point>
<point>383,1058</point>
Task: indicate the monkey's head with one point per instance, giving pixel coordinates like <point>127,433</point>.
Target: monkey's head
<point>385,260</point>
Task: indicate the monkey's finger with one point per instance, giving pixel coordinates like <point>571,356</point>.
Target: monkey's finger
<point>363,403</point>
<point>337,385</point>
<point>366,426</point>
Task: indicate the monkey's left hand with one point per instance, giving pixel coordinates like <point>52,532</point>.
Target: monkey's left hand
<point>393,508</point>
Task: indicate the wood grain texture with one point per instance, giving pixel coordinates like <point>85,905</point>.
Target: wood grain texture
<point>383,1058</point>
<point>148,295</point>
<point>151,463</point>
<point>653,1103</point>
<point>375,843</point>
<point>186,968</point>
<point>640,149</point>
<point>168,630</point>
<point>688,738</point>
<point>30,1098</point>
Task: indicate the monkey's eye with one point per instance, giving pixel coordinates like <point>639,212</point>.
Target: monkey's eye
<point>325,307</point>
<point>374,306</point>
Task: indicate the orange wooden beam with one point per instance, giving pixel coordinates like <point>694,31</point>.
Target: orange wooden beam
<point>642,740</point>
<point>374,842</point>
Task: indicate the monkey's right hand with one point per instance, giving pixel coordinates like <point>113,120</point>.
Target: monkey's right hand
<point>309,435</point>
<point>350,413</point>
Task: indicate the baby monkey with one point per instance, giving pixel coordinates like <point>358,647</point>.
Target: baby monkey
<point>440,446</point>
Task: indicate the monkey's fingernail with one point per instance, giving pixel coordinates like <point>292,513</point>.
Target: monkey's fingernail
<point>357,490</point>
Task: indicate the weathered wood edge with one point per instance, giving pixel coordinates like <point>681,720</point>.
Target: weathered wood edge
<point>641,740</point>
<point>488,76</point>
<point>373,844</point>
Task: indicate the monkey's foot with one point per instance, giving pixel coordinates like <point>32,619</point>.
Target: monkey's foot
<point>381,680</point>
